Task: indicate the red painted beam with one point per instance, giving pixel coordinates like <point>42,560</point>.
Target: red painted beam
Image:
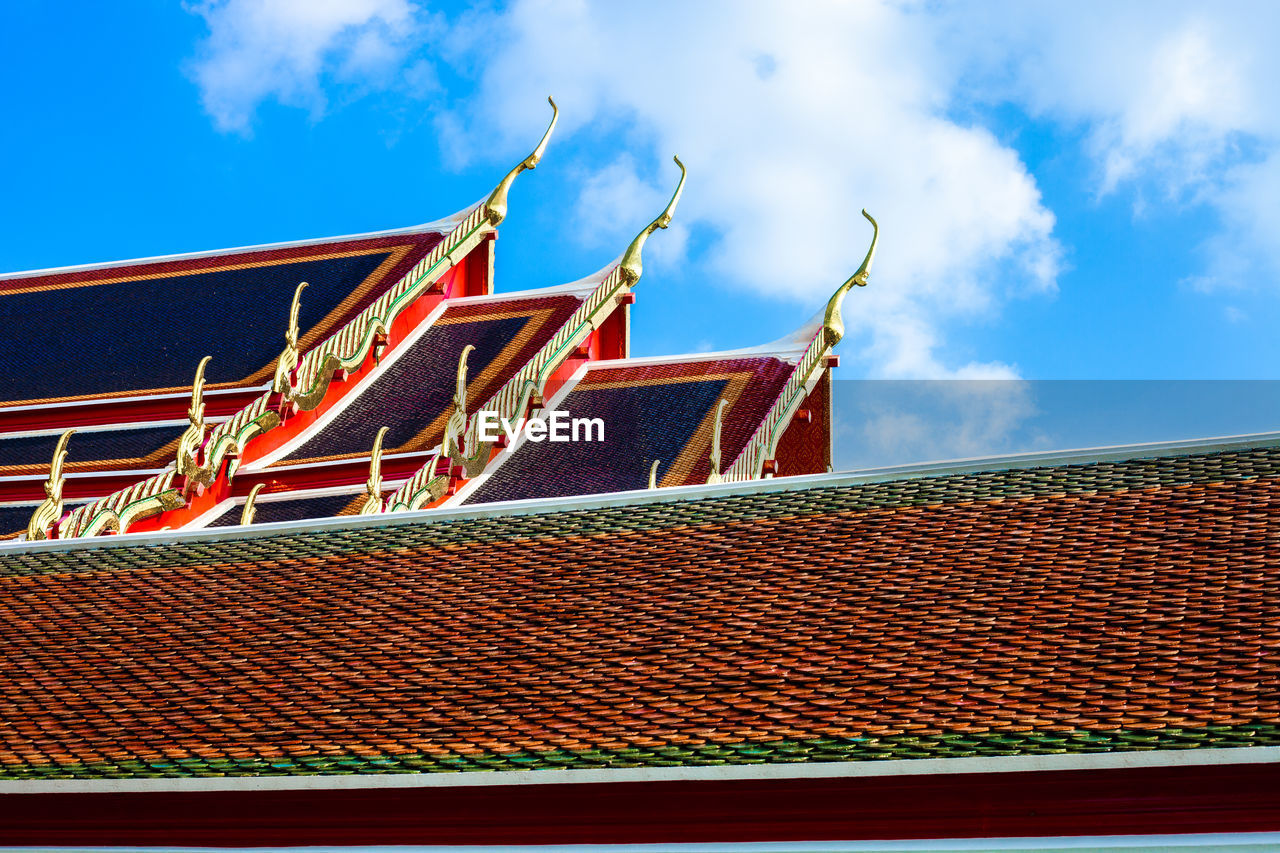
<point>1123,801</point>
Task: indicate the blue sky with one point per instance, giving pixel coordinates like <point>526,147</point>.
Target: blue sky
<point>1065,191</point>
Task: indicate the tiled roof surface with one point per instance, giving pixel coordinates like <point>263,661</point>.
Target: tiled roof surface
<point>660,411</point>
<point>92,450</point>
<point>156,343</point>
<point>413,397</point>
<point>14,518</point>
<point>293,509</point>
<point>1092,607</point>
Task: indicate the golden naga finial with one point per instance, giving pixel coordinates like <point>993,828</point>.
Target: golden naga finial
<point>496,205</point>
<point>833,323</point>
<point>373,486</point>
<point>288,359</point>
<point>193,437</point>
<point>455,442</point>
<point>50,509</point>
<point>714,457</point>
<point>246,514</point>
<point>653,474</point>
<point>457,423</point>
<point>460,380</point>
<point>631,265</point>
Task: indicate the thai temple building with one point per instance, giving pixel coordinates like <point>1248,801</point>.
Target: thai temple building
<point>294,555</point>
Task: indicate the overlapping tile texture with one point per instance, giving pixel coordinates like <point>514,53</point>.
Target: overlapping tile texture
<point>1106,606</point>
<point>663,412</point>
<point>414,396</point>
<point>98,450</point>
<point>155,345</point>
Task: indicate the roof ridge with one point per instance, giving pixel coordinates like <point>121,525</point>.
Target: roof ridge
<point>439,226</point>
<point>676,494</point>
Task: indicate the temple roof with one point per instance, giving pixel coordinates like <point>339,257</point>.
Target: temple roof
<point>655,410</point>
<point>412,395</point>
<point>141,326</point>
<point>1120,600</point>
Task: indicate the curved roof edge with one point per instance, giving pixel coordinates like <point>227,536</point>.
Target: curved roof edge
<point>540,506</point>
<point>814,770</point>
<point>439,226</point>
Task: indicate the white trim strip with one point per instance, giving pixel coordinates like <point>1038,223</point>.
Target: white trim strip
<point>816,770</point>
<point>351,489</point>
<point>109,427</point>
<point>97,402</point>
<point>581,288</point>
<point>787,355</point>
<point>440,226</point>
<point>543,506</point>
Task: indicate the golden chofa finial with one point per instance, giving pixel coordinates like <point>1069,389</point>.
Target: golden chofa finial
<point>833,323</point>
<point>50,509</point>
<point>714,456</point>
<point>460,379</point>
<point>193,437</point>
<point>631,265</point>
<point>456,426</point>
<point>288,359</point>
<point>496,206</point>
<point>246,514</point>
<point>373,486</point>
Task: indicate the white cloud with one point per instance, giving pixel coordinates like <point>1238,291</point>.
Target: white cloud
<point>790,120</point>
<point>903,422</point>
<point>609,200</point>
<point>1148,88</point>
<point>793,118</point>
<point>1179,98</point>
<point>282,49</point>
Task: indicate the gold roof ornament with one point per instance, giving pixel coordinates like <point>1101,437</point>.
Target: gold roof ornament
<point>496,206</point>
<point>832,322</point>
<point>653,474</point>
<point>455,430</point>
<point>288,359</point>
<point>460,379</point>
<point>631,265</point>
<point>424,487</point>
<point>373,486</point>
<point>246,514</point>
<point>456,426</point>
<point>50,509</point>
<point>714,457</point>
<point>193,437</point>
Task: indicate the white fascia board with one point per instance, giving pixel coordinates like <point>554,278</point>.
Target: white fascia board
<point>640,497</point>
<point>332,463</point>
<point>440,226</point>
<point>352,489</point>
<point>97,402</point>
<point>892,768</point>
<point>174,423</point>
<point>578,288</point>
<point>787,349</point>
<point>202,521</point>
